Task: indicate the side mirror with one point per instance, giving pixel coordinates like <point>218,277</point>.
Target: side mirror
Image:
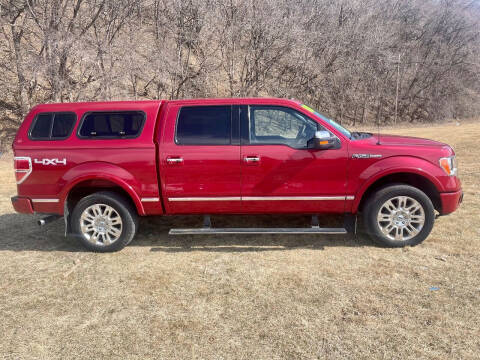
<point>323,140</point>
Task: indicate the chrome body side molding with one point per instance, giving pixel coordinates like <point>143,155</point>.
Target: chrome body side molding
<point>264,198</point>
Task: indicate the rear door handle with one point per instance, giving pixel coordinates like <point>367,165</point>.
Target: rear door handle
<point>174,160</point>
<point>252,159</point>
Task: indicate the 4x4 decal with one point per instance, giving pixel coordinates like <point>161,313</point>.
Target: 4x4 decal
<point>50,161</point>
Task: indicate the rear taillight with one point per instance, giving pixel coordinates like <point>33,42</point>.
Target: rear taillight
<point>23,168</point>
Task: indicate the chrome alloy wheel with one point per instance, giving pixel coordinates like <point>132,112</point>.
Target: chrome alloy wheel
<point>401,218</point>
<point>101,224</point>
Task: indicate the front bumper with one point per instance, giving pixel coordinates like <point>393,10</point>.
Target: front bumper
<point>451,201</point>
<point>22,205</point>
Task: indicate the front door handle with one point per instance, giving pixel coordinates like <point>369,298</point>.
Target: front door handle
<point>174,160</point>
<point>252,159</point>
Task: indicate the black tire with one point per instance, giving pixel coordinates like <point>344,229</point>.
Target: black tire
<point>126,212</point>
<point>379,198</point>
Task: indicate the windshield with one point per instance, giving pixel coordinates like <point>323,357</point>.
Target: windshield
<point>330,121</point>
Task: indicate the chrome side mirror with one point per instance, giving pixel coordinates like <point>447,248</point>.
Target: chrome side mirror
<point>323,140</point>
<point>322,135</point>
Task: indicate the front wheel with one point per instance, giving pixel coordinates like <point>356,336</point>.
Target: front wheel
<point>399,215</point>
<point>104,221</point>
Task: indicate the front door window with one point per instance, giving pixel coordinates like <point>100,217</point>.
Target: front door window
<point>274,125</point>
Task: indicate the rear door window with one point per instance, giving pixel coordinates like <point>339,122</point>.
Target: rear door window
<point>52,126</point>
<point>204,125</point>
<point>112,125</point>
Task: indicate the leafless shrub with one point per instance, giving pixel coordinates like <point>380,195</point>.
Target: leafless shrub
<point>359,61</point>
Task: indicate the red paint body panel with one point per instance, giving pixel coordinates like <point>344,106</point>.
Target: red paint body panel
<point>206,171</point>
<point>451,201</point>
<point>286,172</point>
<point>22,205</point>
<point>419,157</point>
<point>283,171</point>
<point>128,163</point>
<point>139,166</point>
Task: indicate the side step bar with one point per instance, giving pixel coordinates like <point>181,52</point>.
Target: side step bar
<point>197,231</point>
<point>350,226</point>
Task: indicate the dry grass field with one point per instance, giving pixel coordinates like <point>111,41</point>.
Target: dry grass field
<point>249,297</point>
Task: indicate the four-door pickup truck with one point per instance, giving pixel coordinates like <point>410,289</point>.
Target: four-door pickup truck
<point>102,165</point>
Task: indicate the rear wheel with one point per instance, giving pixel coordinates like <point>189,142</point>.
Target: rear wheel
<point>399,215</point>
<point>104,221</point>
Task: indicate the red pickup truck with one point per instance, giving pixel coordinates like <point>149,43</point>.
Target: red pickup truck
<point>101,165</point>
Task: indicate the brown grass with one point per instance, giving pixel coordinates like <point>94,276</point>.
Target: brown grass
<point>250,297</point>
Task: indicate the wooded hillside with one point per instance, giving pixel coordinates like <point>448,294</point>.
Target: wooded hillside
<point>357,61</point>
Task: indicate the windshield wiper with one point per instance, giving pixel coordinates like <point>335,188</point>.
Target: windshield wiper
<point>360,135</point>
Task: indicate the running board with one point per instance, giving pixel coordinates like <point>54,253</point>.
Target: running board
<point>209,230</point>
<point>349,226</point>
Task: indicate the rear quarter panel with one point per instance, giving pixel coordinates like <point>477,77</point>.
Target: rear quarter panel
<point>130,163</point>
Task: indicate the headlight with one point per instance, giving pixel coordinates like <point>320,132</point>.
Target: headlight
<point>449,165</point>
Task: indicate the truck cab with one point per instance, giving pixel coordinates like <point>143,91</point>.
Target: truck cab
<point>102,165</point>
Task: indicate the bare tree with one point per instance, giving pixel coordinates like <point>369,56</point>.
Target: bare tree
<point>355,60</point>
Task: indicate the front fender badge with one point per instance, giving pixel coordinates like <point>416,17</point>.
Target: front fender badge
<point>366,156</point>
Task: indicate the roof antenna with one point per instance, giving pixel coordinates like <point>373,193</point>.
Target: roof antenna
<point>378,130</point>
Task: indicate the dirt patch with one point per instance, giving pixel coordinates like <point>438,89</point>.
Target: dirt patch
<point>249,297</point>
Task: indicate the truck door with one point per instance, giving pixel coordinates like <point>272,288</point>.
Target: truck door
<point>199,157</point>
<point>279,173</point>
